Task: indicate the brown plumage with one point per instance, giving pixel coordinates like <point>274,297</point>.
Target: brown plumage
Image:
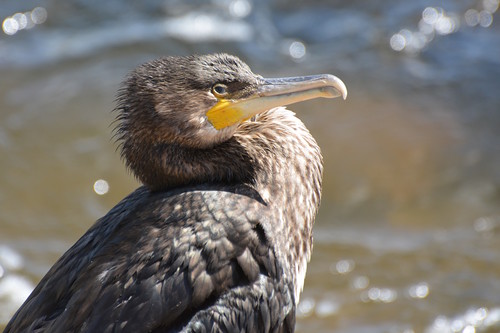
<point>219,236</point>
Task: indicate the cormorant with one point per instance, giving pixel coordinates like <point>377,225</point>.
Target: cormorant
<point>219,236</point>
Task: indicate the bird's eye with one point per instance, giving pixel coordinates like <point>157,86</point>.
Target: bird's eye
<point>219,90</point>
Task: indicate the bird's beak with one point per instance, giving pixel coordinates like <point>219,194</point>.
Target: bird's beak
<point>272,93</point>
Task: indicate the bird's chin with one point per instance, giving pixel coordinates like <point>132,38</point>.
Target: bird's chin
<point>209,136</point>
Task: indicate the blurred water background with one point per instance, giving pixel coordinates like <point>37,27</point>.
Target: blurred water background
<point>408,238</point>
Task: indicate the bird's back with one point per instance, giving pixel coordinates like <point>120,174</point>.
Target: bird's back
<point>195,259</point>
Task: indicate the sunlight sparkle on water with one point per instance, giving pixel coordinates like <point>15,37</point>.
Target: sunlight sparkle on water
<point>343,266</point>
<point>437,21</point>
<point>240,8</point>
<point>382,295</point>
<point>360,282</point>
<point>101,187</point>
<point>21,19</point>
<point>473,320</point>
<point>398,42</point>
<point>14,289</point>
<point>39,15</point>
<point>484,224</point>
<point>297,50</point>
<point>10,259</point>
<point>305,307</point>
<point>430,15</point>
<point>420,290</point>
<point>472,17</point>
<point>24,21</point>
<point>469,329</point>
<point>491,6</point>
<point>485,19</point>
<point>10,26</point>
<point>326,308</point>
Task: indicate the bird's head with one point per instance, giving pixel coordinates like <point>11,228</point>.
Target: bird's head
<point>199,101</point>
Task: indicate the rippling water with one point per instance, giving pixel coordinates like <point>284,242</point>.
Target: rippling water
<point>408,235</point>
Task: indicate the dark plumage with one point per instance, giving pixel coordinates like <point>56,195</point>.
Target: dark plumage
<point>219,236</point>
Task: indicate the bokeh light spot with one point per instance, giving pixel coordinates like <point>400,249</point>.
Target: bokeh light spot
<point>486,224</point>
<point>445,25</point>
<point>430,15</point>
<point>297,50</point>
<point>472,17</point>
<point>326,308</point>
<point>240,8</point>
<point>469,329</point>
<point>397,42</point>
<point>21,20</point>
<point>360,282</point>
<point>10,26</point>
<point>39,15</point>
<point>420,290</point>
<point>101,187</point>
<point>344,266</point>
<point>305,307</point>
<point>491,6</point>
<point>380,295</point>
<point>485,19</point>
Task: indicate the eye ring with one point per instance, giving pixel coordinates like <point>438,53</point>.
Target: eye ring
<point>219,90</point>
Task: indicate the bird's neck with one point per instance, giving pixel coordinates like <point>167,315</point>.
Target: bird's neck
<point>275,154</point>
<point>163,166</point>
<point>289,180</point>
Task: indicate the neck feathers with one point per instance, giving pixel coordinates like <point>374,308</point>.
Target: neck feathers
<point>274,153</point>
